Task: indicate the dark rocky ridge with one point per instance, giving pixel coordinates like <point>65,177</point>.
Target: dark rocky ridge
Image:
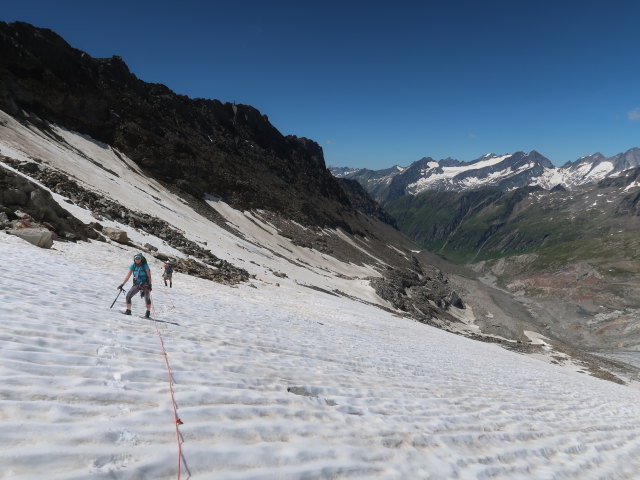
<point>202,146</point>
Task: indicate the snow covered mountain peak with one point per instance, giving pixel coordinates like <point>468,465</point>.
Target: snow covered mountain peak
<point>501,171</point>
<point>590,169</point>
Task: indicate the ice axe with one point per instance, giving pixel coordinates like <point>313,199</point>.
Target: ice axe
<point>120,290</point>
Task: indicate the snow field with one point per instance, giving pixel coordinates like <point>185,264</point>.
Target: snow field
<point>275,383</point>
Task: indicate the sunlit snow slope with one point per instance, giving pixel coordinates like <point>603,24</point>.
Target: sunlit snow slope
<point>270,381</point>
<point>275,383</point>
<point>260,249</point>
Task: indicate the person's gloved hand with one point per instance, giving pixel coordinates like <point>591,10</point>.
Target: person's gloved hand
<point>150,288</point>
<point>120,286</point>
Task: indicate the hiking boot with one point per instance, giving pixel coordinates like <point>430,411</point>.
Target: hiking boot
<point>127,312</point>
<point>147,314</point>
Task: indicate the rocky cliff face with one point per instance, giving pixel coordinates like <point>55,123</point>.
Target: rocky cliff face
<point>361,200</point>
<point>201,146</point>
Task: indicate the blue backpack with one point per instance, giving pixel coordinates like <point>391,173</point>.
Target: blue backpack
<point>139,271</point>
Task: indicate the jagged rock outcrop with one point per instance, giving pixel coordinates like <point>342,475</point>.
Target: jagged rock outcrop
<point>26,205</point>
<point>423,295</point>
<point>201,146</point>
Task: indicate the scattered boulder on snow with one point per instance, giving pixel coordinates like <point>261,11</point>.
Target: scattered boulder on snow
<point>161,256</point>
<point>226,273</point>
<point>38,236</point>
<point>115,234</point>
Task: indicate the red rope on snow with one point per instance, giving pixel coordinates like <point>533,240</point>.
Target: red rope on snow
<point>177,420</point>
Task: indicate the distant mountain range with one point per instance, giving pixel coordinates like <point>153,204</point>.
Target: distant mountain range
<point>503,172</point>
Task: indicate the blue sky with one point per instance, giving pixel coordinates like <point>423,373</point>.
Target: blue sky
<point>384,83</point>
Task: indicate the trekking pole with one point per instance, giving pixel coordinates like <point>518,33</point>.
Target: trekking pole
<point>120,290</point>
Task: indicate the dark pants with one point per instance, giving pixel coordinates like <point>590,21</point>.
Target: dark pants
<point>137,288</point>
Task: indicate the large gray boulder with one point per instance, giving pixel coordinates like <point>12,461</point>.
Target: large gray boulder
<point>21,198</point>
<point>116,234</point>
<point>40,237</point>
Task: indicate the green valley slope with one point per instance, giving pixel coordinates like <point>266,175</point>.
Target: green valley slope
<point>571,257</point>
